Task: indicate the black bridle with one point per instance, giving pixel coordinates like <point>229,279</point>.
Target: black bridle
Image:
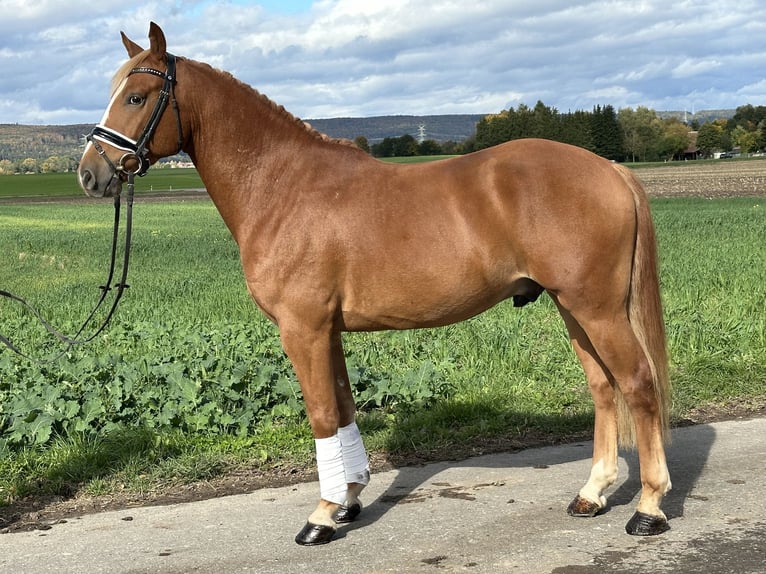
<point>138,150</point>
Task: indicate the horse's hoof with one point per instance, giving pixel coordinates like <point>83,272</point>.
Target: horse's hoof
<point>582,507</point>
<point>646,525</point>
<point>314,534</point>
<point>346,514</point>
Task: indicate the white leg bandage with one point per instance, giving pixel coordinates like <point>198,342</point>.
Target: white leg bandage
<point>332,478</point>
<point>355,463</point>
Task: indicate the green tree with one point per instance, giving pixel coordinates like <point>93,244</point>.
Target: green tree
<point>747,140</point>
<point>641,129</point>
<point>710,137</point>
<point>748,116</point>
<point>577,129</point>
<point>545,123</point>
<point>362,143</point>
<point>494,129</point>
<point>429,147</point>
<point>384,148</point>
<point>403,146</point>
<point>607,134</point>
<point>674,140</point>
<point>452,147</point>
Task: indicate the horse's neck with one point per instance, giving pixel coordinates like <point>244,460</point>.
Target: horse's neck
<point>244,147</point>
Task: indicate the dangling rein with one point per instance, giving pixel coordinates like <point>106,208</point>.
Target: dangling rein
<point>70,342</point>
<point>138,151</point>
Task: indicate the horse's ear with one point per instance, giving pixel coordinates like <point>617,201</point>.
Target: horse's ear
<point>157,43</point>
<point>132,48</point>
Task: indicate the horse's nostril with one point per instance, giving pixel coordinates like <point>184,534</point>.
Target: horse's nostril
<point>87,180</point>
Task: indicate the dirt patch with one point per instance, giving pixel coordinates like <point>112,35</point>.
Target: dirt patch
<point>715,178</point>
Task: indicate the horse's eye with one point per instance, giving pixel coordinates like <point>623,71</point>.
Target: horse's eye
<point>135,100</point>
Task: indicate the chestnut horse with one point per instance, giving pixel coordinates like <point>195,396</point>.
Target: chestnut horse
<point>333,240</point>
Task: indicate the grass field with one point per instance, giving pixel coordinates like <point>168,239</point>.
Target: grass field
<point>190,380</point>
<point>47,185</point>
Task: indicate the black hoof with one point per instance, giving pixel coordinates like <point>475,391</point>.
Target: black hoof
<point>646,525</point>
<point>314,534</point>
<point>346,514</point>
<point>582,507</point>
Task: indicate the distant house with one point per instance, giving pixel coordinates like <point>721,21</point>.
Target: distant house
<point>691,152</point>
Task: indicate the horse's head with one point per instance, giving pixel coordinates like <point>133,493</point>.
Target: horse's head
<point>135,130</point>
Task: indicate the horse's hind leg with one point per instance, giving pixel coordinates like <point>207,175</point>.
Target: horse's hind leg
<point>590,500</point>
<point>618,349</point>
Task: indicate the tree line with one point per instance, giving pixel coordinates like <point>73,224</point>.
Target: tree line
<point>626,135</point>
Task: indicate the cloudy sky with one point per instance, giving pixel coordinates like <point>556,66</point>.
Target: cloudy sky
<point>333,58</point>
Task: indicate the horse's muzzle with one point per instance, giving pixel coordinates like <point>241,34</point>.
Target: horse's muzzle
<point>99,183</point>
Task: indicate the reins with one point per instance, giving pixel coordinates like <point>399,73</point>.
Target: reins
<point>70,342</point>
<point>139,150</point>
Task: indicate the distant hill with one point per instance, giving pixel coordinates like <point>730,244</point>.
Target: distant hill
<point>456,127</point>
<point>19,142</point>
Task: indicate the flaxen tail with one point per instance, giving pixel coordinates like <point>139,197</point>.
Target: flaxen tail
<point>645,313</point>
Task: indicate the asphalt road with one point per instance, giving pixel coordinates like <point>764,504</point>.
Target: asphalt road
<point>490,514</point>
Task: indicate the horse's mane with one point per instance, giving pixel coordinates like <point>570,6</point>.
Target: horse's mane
<point>279,109</point>
<point>276,108</point>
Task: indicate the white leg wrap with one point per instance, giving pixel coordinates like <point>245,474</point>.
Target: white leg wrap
<point>355,463</point>
<point>332,479</point>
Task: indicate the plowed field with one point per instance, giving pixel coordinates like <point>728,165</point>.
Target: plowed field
<point>719,178</point>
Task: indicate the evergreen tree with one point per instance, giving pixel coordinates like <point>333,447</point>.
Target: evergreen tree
<point>576,129</point>
<point>607,133</point>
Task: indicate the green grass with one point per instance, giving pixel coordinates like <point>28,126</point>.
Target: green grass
<point>65,184</point>
<point>187,340</point>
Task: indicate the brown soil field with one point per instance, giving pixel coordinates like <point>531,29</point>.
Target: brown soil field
<point>715,178</point>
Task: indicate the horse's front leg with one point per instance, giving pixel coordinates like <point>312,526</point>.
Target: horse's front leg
<point>356,466</point>
<point>317,358</point>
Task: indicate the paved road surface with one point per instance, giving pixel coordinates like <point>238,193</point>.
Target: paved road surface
<point>490,514</point>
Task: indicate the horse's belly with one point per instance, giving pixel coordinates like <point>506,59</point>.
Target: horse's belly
<point>409,305</point>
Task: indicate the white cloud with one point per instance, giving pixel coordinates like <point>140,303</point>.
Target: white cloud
<point>352,58</point>
<point>690,67</point>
